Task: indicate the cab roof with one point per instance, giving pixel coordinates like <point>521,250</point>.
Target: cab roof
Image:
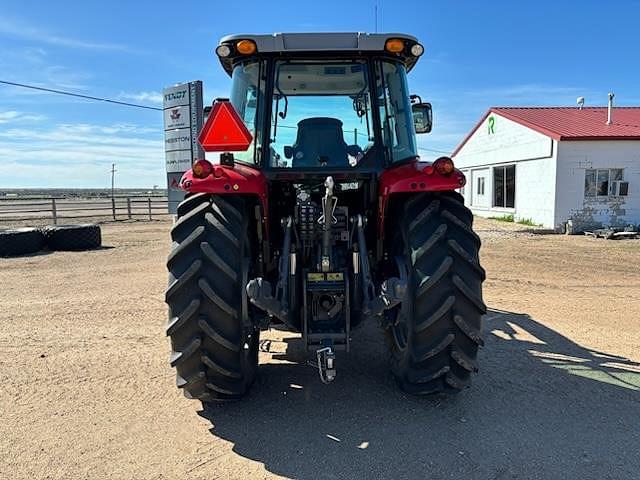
<point>295,43</point>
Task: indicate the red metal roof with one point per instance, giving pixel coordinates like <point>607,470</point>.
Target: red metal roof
<point>571,123</point>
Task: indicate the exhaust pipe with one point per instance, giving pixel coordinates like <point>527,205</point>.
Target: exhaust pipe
<point>610,108</point>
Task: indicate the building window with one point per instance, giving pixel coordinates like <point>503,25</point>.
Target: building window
<point>603,182</point>
<point>504,186</point>
<point>480,189</point>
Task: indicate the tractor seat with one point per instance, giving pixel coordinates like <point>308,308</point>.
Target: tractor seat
<point>320,142</point>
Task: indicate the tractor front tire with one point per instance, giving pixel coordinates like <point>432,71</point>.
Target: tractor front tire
<point>435,334</point>
<point>214,343</point>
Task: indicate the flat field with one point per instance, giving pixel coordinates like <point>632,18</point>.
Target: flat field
<point>87,391</point>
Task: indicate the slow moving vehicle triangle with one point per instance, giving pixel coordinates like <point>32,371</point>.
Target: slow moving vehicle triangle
<point>224,130</point>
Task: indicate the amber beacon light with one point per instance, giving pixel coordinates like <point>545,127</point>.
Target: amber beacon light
<point>394,45</point>
<point>246,47</point>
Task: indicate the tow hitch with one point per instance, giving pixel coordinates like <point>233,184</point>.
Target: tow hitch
<point>326,364</point>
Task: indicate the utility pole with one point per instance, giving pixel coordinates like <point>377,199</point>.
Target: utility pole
<point>113,173</point>
<point>113,192</point>
<point>375,14</point>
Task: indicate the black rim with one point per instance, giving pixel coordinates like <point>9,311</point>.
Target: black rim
<point>249,337</point>
<point>400,325</point>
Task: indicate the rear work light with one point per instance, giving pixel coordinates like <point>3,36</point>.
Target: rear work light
<point>444,166</point>
<point>202,169</point>
<point>417,50</point>
<point>223,51</point>
<point>246,47</point>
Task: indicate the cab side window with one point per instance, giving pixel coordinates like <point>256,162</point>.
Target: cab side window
<point>396,118</point>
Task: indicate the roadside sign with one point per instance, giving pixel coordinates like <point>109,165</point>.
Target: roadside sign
<point>173,184</point>
<point>177,117</point>
<point>224,131</point>
<point>176,96</point>
<point>182,122</point>
<point>178,161</point>
<point>179,139</point>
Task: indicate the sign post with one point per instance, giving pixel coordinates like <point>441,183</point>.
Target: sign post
<point>183,118</point>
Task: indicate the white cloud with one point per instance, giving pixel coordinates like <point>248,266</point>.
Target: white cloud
<point>34,55</point>
<point>8,116</point>
<point>27,63</point>
<point>31,65</point>
<point>143,97</point>
<point>17,28</point>
<point>16,117</point>
<point>529,94</point>
<point>80,155</point>
<point>449,128</point>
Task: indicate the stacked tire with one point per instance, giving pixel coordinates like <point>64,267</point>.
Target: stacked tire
<point>21,241</point>
<point>73,237</point>
<point>25,241</point>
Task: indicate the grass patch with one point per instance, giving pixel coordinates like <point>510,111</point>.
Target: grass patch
<point>503,218</point>
<point>528,221</point>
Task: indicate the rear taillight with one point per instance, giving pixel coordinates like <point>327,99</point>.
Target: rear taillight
<point>202,169</point>
<point>444,166</point>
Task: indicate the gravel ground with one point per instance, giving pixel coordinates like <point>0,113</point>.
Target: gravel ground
<point>87,391</point>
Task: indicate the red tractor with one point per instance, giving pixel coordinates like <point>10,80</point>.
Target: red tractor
<point>320,217</point>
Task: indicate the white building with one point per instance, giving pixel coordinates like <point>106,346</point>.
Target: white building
<point>550,165</point>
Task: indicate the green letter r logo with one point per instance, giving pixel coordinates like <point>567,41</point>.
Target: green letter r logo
<point>492,125</point>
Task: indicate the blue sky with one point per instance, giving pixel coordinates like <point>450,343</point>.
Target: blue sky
<point>478,54</point>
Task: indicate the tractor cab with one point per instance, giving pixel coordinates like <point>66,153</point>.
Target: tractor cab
<point>325,101</point>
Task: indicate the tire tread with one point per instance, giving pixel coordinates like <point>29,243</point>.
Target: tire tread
<point>206,328</point>
<point>444,317</point>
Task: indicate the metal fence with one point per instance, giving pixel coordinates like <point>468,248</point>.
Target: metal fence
<point>57,210</point>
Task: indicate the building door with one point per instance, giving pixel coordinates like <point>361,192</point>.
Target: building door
<point>479,188</point>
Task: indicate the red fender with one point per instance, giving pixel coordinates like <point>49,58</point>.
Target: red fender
<point>236,180</point>
<point>413,177</point>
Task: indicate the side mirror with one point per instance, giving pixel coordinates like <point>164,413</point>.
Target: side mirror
<point>422,117</point>
<point>354,150</point>
<point>288,151</point>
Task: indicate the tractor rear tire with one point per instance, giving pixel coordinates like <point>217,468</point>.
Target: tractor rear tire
<point>214,344</point>
<point>435,335</point>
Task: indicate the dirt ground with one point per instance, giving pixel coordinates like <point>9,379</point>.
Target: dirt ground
<point>87,391</point>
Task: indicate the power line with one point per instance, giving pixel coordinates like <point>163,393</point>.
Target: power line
<point>434,151</point>
<point>127,104</point>
<point>86,97</point>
